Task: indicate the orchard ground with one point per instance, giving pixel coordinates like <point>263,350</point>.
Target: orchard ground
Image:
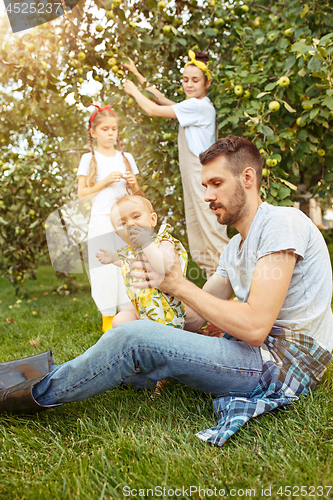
<point>95,448</point>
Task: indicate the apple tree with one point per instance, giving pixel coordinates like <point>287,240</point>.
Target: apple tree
<point>272,77</point>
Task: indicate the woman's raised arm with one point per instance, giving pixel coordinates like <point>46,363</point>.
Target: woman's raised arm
<point>159,97</point>
<point>151,108</point>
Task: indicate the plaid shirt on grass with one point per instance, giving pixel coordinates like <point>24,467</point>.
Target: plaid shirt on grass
<point>299,365</point>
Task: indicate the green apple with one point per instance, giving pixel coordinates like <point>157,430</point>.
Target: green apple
<point>288,32</point>
<point>116,3</point>
<point>112,61</point>
<point>120,73</point>
<point>219,22</point>
<point>265,172</point>
<point>298,122</point>
<point>115,68</point>
<point>99,28</point>
<point>17,230</point>
<point>238,90</point>
<point>32,212</point>
<point>31,46</point>
<point>161,5</point>
<point>274,106</point>
<point>245,8</point>
<point>81,56</point>
<point>256,22</point>
<point>284,81</point>
<point>262,152</point>
<point>167,136</point>
<point>132,24</point>
<point>75,170</point>
<point>247,94</point>
<point>306,106</point>
<point>321,152</point>
<point>109,14</point>
<point>130,101</point>
<point>29,191</point>
<point>271,163</point>
<point>97,78</point>
<point>2,203</point>
<point>166,29</point>
<point>271,37</point>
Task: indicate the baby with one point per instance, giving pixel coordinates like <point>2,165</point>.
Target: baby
<point>134,220</point>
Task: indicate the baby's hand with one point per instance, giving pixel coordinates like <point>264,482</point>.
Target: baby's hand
<point>106,256</point>
<point>139,236</point>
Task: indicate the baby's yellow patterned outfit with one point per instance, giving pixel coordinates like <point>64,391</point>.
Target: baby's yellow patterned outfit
<point>149,302</point>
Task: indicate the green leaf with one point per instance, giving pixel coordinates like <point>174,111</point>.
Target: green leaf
<point>209,33</point>
<point>314,64</point>
<point>288,107</point>
<point>267,130</point>
<point>328,101</point>
<point>271,86</point>
<point>301,47</point>
<point>260,40</point>
<point>325,39</point>
<point>289,63</point>
<point>305,11</point>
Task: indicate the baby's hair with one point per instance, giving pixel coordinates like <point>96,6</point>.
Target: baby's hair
<point>92,173</point>
<point>132,197</point>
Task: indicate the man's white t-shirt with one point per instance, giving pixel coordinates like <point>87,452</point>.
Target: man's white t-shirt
<point>307,306</point>
<point>104,200</point>
<point>198,117</point>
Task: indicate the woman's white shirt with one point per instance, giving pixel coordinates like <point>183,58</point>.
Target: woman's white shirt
<point>104,200</point>
<point>198,118</point>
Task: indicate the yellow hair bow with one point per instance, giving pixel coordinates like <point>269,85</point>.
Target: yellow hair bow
<point>198,64</point>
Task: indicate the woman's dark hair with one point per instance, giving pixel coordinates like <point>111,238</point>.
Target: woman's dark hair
<point>240,152</point>
<point>203,57</point>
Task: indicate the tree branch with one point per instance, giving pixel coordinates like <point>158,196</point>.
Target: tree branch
<point>270,10</point>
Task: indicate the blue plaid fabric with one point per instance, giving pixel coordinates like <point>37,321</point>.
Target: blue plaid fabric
<point>299,365</point>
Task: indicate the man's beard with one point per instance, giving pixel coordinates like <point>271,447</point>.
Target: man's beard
<point>236,209</point>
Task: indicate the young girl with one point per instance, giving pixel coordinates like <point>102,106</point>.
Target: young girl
<point>197,132</point>
<point>105,174</point>
<point>134,220</point>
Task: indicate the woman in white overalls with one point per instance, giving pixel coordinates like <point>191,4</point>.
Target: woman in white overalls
<point>197,132</point>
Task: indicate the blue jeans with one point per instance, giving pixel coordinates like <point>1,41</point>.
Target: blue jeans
<point>219,366</point>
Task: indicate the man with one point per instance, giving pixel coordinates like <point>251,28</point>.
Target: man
<point>278,334</point>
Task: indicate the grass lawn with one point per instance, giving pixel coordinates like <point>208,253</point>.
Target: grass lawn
<point>93,449</point>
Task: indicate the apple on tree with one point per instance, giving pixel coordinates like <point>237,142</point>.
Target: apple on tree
<point>284,81</point>
<point>238,90</point>
<point>274,106</point>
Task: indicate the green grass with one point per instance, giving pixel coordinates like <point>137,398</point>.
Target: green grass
<point>92,449</point>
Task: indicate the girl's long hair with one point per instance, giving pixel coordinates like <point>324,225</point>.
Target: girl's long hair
<point>92,173</point>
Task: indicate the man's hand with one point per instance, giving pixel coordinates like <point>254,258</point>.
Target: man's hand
<point>167,283</point>
<point>139,236</point>
<point>106,256</point>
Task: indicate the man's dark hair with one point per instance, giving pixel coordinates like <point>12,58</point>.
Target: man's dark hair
<point>240,152</point>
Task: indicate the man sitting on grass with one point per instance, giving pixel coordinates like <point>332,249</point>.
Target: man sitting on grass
<point>279,333</point>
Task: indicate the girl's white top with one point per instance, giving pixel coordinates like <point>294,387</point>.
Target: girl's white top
<point>198,117</point>
<point>104,200</point>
